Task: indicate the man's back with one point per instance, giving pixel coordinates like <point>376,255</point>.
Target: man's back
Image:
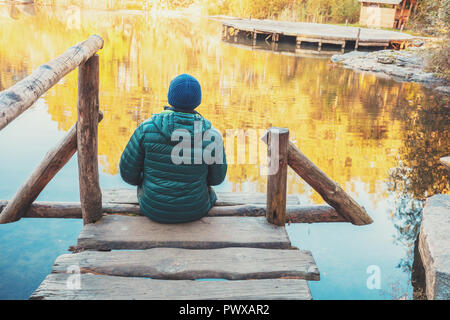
<point>173,177</point>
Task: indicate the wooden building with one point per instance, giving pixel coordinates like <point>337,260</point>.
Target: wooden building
<point>386,13</point>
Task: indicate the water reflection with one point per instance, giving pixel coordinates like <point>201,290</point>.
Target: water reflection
<point>381,140</point>
<point>418,174</point>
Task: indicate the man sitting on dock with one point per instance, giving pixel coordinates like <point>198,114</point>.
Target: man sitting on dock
<point>174,177</point>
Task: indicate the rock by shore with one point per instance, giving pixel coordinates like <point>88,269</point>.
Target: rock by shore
<point>401,65</point>
<point>434,246</point>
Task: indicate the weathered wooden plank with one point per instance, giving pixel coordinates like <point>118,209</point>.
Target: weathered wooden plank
<point>236,198</point>
<point>373,44</point>
<point>23,94</point>
<point>315,30</point>
<point>96,287</point>
<point>186,264</point>
<point>124,232</point>
<point>223,198</point>
<point>303,39</point>
<point>294,213</point>
<point>87,140</point>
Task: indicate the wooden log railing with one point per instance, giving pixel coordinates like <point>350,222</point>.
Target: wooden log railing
<point>294,213</point>
<point>18,98</point>
<point>346,207</point>
<point>82,137</point>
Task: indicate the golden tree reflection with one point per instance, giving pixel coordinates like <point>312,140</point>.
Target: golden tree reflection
<point>418,174</point>
<point>343,121</point>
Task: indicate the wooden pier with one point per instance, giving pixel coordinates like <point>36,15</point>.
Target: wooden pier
<point>241,243</point>
<point>312,33</point>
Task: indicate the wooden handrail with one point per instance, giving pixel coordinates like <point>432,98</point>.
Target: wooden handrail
<point>19,97</point>
<point>294,213</point>
<point>82,137</point>
<point>330,191</point>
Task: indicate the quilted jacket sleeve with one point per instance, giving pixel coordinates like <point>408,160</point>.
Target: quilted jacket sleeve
<point>132,160</point>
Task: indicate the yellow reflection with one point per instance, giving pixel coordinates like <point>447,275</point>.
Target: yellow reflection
<point>343,121</point>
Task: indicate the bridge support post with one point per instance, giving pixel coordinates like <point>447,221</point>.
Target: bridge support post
<point>298,43</point>
<point>87,140</point>
<point>277,142</point>
<point>357,39</point>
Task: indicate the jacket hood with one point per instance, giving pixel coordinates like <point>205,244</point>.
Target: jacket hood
<point>168,121</point>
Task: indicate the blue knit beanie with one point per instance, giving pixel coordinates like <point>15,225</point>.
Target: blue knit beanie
<point>185,92</point>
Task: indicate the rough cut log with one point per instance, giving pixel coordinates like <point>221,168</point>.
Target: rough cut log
<point>313,214</point>
<point>277,142</point>
<point>87,140</point>
<point>43,209</point>
<point>330,191</point>
<point>53,161</point>
<point>294,213</point>
<point>22,95</point>
<point>96,287</point>
<point>189,264</point>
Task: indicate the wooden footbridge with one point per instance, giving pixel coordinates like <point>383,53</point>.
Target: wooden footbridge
<point>312,33</point>
<point>120,254</point>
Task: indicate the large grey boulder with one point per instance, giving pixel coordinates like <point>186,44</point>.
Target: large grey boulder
<point>434,246</point>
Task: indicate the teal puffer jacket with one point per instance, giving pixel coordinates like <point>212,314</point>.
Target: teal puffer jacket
<point>169,192</point>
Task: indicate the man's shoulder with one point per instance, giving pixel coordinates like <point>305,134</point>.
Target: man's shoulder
<point>147,124</point>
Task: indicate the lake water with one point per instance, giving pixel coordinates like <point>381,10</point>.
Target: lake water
<point>380,140</point>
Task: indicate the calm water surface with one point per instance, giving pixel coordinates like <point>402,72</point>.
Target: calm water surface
<point>381,140</point>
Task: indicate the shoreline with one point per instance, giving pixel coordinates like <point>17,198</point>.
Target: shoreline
<point>399,65</point>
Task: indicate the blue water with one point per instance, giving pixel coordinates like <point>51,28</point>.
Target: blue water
<point>344,253</point>
<point>29,247</point>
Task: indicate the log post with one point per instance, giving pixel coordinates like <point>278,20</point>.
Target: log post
<point>277,142</point>
<point>298,42</point>
<point>330,191</point>
<point>357,39</point>
<point>53,161</point>
<point>87,136</point>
